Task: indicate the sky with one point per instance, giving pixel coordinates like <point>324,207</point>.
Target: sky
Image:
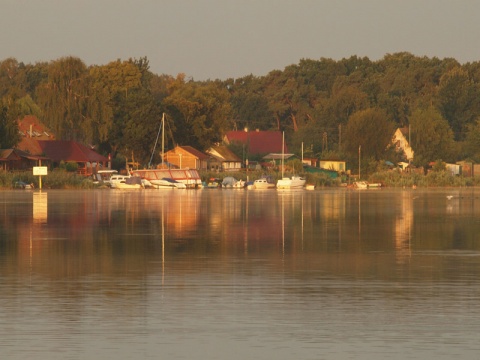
<point>221,39</point>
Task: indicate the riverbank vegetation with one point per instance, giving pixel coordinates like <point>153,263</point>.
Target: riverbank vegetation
<point>62,179</point>
<point>328,108</point>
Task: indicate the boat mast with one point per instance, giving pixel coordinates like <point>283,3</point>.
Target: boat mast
<point>283,151</point>
<point>161,128</point>
<point>163,135</point>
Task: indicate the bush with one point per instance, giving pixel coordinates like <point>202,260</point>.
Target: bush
<point>71,166</point>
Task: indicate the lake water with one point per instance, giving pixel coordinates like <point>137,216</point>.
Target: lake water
<point>240,274</point>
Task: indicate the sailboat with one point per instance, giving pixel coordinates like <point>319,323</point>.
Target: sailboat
<point>294,182</point>
<point>165,177</point>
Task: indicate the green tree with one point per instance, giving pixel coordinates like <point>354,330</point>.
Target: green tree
<point>459,100</point>
<point>432,137</point>
<point>371,130</point>
<point>200,112</point>
<point>9,135</point>
<point>63,97</point>
<point>472,141</point>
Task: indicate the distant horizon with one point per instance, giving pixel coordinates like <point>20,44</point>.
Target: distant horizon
<point>221,39</point>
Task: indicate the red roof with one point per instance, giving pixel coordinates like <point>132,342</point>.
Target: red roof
<point>58,150</point>
<point>259,142</point>
<point>33,124</point>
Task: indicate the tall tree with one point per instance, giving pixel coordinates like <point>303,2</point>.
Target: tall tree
<point>200,111</point>
<point>63,98</point>
<point>9,135</point>
<point>432,137</point>
<point>371,130</point>
<point>459,100</point>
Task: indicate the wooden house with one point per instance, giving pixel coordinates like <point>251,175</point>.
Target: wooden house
<point>186,157</point>
<point>334,165</point>
<point>223,159</point>
<point>70,151</point>
<point>16,159</point>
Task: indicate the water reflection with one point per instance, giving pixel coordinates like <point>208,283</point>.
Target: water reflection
<point>111,274</point>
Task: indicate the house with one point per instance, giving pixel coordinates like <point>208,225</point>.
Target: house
<point>257,142</point>
<point>16,159</point>
<point>467,168</point>
<point>276,159</point>
<point>310,161</point>
<point>402,144</point>
<point>334,165</point>
<point>31,129</point>
<point>186,157</point>
<point>223,159</point>
<point>454,169</point>
<point>71,151</point>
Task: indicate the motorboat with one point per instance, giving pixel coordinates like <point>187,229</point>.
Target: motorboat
<point>117,179</point>
<point>231,182</point>
<point>130,182</point>
<point>167,183</point>
<point>265,182</point>
<point>295,182</point>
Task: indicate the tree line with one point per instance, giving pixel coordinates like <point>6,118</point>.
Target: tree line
<point>326,107</point>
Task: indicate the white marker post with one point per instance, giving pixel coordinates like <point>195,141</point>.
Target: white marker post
<point>40,171</point>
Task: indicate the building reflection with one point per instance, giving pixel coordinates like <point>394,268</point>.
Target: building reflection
<point>403,227</point>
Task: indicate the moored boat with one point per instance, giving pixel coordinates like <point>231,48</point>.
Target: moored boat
<point>189,177</point>
<point>265,182</point>
<point>167,183</point>
<point>295,182</point>
<point>131,182</point>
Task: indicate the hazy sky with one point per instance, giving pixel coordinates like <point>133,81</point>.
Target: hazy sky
<point>232,38</point>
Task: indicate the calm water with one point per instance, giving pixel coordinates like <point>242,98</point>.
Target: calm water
<point>233,274</point>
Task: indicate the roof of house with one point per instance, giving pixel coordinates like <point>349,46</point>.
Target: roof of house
<point>32,129</point>
<point>58,150</point>
<point>7,154</point>
<point>195,152</point>
<point>31,126</point>
<point>258,142</point>
<point>15,154</point>
<point>225,154</point>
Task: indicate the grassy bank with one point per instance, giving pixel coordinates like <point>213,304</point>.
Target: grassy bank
<point>54,180</point>
<point>61,179</point>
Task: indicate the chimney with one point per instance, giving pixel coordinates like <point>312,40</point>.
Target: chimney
<point>31,130</point>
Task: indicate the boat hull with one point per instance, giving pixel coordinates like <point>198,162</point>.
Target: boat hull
<point>291,183</point>
<point>189,177</point>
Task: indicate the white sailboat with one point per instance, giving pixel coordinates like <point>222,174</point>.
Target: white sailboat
<point>294,182</point>
<point>165,177</point>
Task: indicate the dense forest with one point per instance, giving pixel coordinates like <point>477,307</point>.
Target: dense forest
<point>331,107</point>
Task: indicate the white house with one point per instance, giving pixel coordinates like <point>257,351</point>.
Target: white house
<point>400,140</point>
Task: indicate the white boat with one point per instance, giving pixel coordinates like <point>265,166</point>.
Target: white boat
<point>117,179</point>
<point>231,182</point>
<point>366,185</point>
<point>295,182</point>
<point>167,183</point>
<point>131,182</point>
<point>104,176</point>
<point>264,183</point>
